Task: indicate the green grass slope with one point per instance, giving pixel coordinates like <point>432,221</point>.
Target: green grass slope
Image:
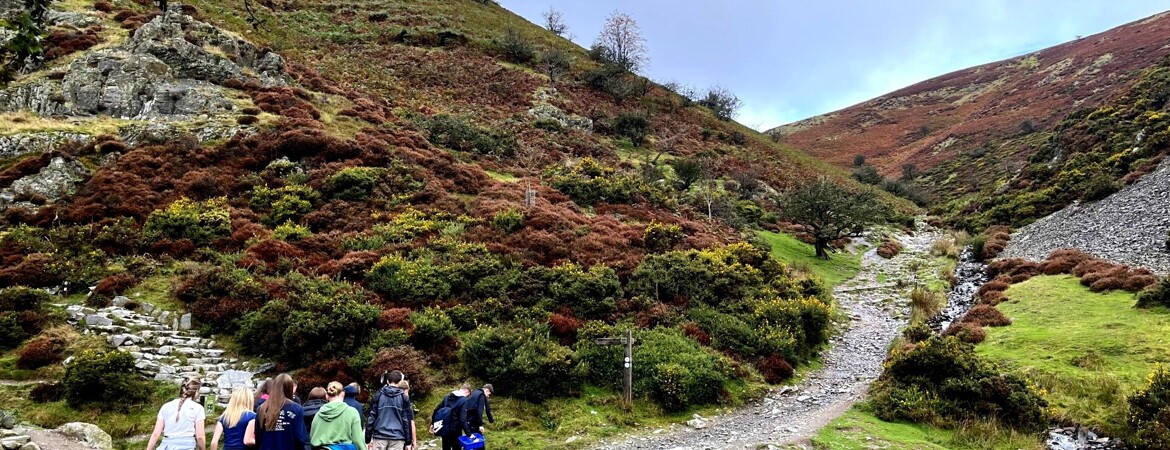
<point>1087,350</point>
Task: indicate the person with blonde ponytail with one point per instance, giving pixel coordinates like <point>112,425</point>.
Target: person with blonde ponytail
<point>237,425</point>
<point>180,421</point>
<point>337,426</point>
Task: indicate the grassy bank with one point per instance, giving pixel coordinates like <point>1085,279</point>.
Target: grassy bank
<point>860,429</point>
<point>839,267</point>
<point>1088,350</point>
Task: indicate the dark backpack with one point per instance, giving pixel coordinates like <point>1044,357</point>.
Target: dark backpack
<point>449,414</point>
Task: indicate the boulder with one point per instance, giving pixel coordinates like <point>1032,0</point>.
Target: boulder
<point>96,320</point>
<point>233,379</point>
<point>14,443</point>
<point>88,433</point>
<point>121,301</point>
<point>30,446</point>
<point>7,420</point>
<point>185,322</point>
<point>53,181</point>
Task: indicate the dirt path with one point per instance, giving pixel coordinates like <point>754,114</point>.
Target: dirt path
<point>792,414</point>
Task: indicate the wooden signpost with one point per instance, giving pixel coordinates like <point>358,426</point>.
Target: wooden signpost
<point>628,365</point>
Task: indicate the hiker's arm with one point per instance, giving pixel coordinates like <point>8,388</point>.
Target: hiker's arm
<point>200,435</point>
<point>487,406</point>
<point>250,433</point>
<point>216,435</point>
<point>158,428</point>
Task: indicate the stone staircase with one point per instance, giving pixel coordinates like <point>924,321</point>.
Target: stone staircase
<point>164,345</point>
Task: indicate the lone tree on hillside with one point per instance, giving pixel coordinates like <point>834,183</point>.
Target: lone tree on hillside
<point>721,102</point>
<point>555,22</point>
<point>831,212</point>
<point>621,43</point>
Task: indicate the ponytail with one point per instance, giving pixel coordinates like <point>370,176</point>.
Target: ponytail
<point>190,390</point>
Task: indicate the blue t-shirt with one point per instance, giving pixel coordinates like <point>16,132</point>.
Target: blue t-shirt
<point>233,437</point>
<point>289,432</point>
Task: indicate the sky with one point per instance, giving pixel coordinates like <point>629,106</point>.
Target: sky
<point>791,60</point>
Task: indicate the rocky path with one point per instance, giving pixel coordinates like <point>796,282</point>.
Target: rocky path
<point>877,311</point>
<point>164,345</point>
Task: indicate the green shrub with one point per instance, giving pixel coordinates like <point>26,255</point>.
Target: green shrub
<point>589,182</point>
<point>1098,187</point>
<point>917,332</point>
<point>516,48</point>
<point>289,231</point>
<point>457,134</point>
<point>20,298</point>
<point>591,294</point>
<point>521,363</point>
<point>670,368</point>
<point>508,220</point>
<point>320,320</point>
<point>288,203</point>
<point>1149,413</point>
<point>633,126</point>
<point>714,276</point>
<point>405,226</point>
<point>661,237</point>
<point>807,320</point>
<point>731,333</point>
<point>867,174</point>
<point>12,331</point>
<point>431,326</point>
<point>721,102</point>
<point>412,281</point>
<point>353,183</point>
<point>943,382</point>
<point>1156,295</point>
<point>201,222</point>
<point>104,380</point>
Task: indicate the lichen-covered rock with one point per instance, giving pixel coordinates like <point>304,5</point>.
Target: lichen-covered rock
<point>24,143</point>
<point>53,181</point>
<point>10,8</point>
<point>171,66</point>
<point>549,112</point>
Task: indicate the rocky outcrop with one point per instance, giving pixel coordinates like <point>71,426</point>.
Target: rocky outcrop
<point>544,110</point>
<point>172,66</point>
<point>23,143</point>
<point>52,182</point>
<point>1127,227</point>
<point>164,346</point>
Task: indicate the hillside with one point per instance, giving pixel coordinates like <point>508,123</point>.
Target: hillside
<point>984,137</point>
<point>349,187</point>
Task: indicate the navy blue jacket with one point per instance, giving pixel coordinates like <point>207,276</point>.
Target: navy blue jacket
<point>473,411</point>
<point>389,416</point>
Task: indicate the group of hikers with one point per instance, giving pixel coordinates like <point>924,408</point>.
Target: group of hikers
<point>274,418</point>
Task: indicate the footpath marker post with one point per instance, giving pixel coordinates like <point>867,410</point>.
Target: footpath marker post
<point>627,364</point>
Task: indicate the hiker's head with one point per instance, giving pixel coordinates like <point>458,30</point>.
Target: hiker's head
<point>280,391</point>
<point>464,389</point>
<point>262,390</point>
<point>190,388</point>
<point>488,389</point>
<point>281,388</point>
<point>392,377</point>
<point>335,391</point>
<point>241,399</point>
<point>316,393</point>
<point>404,385</point>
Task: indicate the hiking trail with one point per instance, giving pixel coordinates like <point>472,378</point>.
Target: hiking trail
<point>877,312</point>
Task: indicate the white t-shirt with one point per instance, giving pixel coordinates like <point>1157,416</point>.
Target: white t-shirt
<point>185,425</point>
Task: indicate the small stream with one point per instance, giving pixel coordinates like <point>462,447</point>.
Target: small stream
<point>969,276</point>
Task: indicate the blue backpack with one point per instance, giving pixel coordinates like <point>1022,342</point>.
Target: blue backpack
<point>449,416</point>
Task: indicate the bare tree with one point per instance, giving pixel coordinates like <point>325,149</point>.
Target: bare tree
<point>721,102</point>
<point>621,43</point>
<point>555,22</point>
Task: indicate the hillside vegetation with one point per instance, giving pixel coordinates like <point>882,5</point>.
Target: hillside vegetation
<point>350,187</point>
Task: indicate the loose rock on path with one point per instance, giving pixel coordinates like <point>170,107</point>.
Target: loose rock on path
<point>876,311</point>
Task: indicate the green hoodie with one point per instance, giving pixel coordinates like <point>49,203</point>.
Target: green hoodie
<point>337,423</point>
